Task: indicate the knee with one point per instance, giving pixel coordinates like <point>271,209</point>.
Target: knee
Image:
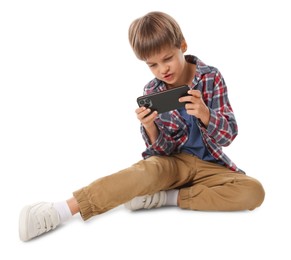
<point>151,174</point>
<point>256,194</point>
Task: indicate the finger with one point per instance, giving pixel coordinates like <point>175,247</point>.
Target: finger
<point>143,113</point>
<point>186,99</point>
<point>190,106</point>
<point>195,93</point>
<point>140,109</point>
<point>149,117</point>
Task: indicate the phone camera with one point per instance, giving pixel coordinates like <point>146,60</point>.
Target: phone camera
<point>146,102</point>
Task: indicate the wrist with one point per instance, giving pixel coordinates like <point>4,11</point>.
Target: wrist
<point>152,132</point>
<point>205,118</point>
<point>149,126</point>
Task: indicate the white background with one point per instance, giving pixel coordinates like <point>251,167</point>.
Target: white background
<point>68,88</point>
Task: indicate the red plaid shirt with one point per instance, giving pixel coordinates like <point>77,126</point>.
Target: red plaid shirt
<point>173,132</point>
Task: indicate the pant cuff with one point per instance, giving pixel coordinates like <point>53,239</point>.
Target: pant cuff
<point>84,205</point>
<point>183,199</point>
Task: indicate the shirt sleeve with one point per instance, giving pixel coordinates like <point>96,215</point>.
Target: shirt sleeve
<point>222,127</point>
<point>171,136</point>
<point>160,146</point>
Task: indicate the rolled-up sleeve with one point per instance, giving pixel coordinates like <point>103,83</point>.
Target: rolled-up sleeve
<point>222,127</point>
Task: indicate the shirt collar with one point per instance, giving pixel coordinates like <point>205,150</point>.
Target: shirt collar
<point>201,68</point>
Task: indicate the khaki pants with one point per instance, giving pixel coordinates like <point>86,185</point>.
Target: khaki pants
<point>203,186</point>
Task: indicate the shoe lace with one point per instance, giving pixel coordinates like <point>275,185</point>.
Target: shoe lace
<point>154,201</point>
<point>46,221</point>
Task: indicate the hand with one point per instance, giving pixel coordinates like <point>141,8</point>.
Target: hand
<point>147,119</point>
<point>195,106</point>
<point>144,116</point>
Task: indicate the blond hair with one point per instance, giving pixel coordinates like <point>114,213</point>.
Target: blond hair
<point>149,34</point>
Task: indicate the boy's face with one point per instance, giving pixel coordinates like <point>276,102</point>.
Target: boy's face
<point>168,66</point>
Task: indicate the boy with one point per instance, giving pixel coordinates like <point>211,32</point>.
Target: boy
<point>184,164</point>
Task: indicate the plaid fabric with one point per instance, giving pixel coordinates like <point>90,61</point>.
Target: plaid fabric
<point>173,132</point>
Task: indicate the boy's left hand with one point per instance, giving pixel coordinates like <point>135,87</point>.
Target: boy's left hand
<point>195,106</point>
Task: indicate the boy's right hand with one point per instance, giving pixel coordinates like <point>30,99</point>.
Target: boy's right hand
<point>147,119</point>
<point>145,116</point>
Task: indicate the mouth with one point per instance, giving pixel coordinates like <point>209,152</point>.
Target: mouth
<point>168,77</point>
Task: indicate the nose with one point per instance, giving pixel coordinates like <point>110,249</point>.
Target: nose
<point>165,69</point>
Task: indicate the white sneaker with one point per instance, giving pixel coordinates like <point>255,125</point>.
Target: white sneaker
<point>147,201</point>
<point>37,219</point>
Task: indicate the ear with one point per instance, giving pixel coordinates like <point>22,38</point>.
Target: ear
<point>184,46</point>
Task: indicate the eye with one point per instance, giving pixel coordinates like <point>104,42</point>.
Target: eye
<point>168,58</point>
<point>152,65</point>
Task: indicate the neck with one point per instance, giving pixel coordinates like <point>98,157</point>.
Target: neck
<point>190,73</point>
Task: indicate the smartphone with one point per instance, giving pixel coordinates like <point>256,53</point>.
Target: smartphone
<point>164,101</point>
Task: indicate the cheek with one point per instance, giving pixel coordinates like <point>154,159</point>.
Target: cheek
<point>179,63</point>
<point>177,67</point>
<point>154,71</point>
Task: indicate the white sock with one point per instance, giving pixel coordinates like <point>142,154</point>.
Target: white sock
<point>172,197</point>
<point>63,210</point>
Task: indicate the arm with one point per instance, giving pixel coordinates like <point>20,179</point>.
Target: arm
<point>222,127</point>
<point>172,134</point>
<point>148,123</point>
